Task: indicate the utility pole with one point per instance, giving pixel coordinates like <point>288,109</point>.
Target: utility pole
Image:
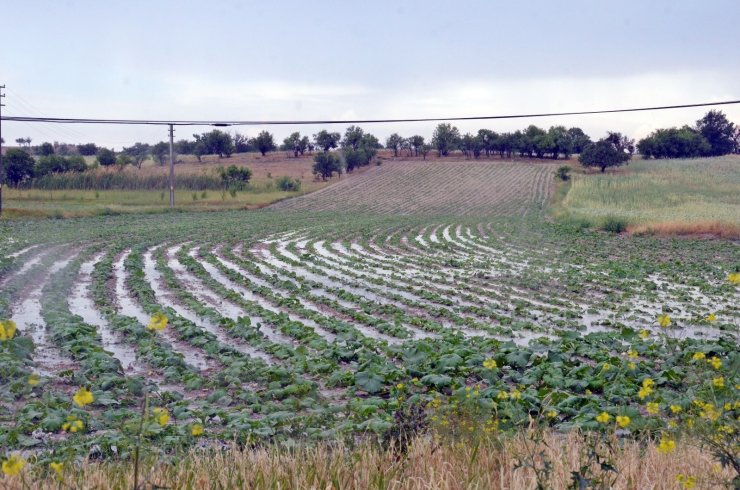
<point>172,168</point>
<point>2,169</point>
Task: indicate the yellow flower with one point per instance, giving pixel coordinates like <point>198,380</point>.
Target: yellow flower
<point>675,409</point>
<point>715,362</point>
<point>644,334</point>
<point>73,424</point>
<point>161,416</point>
<point>516,394</point>
<point>157,322</point>
<point>551,414</point>
<point>196,430</point>
<point>399,386</point>
<point>711,318</point>
<point>686,481</point>
<point>719,382</point>
<point>664,320</point>
<point>490,364</point>
<point>13,465</point>
<point>734,278</point>
<point>644,393</point>
<point>606,366</point>
<point>666,445</point>
<point>632,354</point>
<point>7,329</point>
<point>83,397</point>
<point>648,383</point>
<point>632,366</point>
<point>603,418</point>
<point>698,356</point>
<point>502,395</point>
<point>623,421</point>
<point>33,379</point>
<point>57,467</point>
<point>652,408</point>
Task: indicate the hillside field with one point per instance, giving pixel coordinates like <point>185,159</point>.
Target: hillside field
<point>413,313</point>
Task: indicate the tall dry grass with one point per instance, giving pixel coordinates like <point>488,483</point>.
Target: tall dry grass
<point>491,464</point>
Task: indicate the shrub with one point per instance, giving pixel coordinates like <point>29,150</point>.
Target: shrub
<point>288,184</point>
<point>563,173</point>
<point>614,224</point>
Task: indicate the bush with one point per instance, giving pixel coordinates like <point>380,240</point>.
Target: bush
<point>563,173</point>
<point>287,184</point>
<point>614,224</point>
<point>106,157</point>
<point>234,177</point>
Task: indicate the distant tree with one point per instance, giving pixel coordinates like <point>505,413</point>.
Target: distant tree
<point>394,142</point>
<point>445,138</point>
<point>718,131</point>
<point>18,166</point>
<point>416,142</point>
<point>326,140</point>
<point>352,137</point>
<point>219,143</point>
<point>21,141</point>
<point>45,149</point>
<point>561,142</point>
<point>605,153</point>
<point>234,178</point>
<point>736,139</point>
<point>184,147</point>
<point>621,142</point>
<point>487,141</point>
<point>199,149</point>
<point>685,142</point>
<point>137,153</point>
<point>306,144</point>
<point>578,139</point>
<point>241,144</point>
<point>265,142</point>
<point>51,164</point>
<point>122,160</point>
<point>106,157</point>
<point>424,149</point>
<point>326,164</point>
<point>294,143</point>
<point>88,149</point>
<point>160,151</point>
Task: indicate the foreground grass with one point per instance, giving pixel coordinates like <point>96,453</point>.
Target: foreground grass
<point>512,462</point>
<point>666,196</point>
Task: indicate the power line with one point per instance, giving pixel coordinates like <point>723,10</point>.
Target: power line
<point>161,122</point>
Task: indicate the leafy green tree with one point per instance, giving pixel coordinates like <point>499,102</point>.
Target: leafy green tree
<point>88,149</point>
<point>718,131</point>
<point>685,142</point>
<point>394,142</point>
<point>52,164</point>
<point>235,178</point>
<point>184,147</point>
<point>160,151</point>
<point>122,160</point>
<point>424,149</point>
<point>578,139</point>
<point>352,137</point>
<point>295,143</point>
<point>326,164</point>
<point>241,144</point>
<point>604,153</point>
<point>416,142</point>
<point>445,138</point>
<point>487,140</point>
<point>264,142</point>
<point>106,157</point>
<point>46,149</point>
<point>18,166</point>
<point>326,140</point>
<point>138,153</point>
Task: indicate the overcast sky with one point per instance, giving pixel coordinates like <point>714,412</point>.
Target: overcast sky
<point>366,59</point>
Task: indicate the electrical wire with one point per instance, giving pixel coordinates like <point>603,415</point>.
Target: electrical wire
<point>66,120</point>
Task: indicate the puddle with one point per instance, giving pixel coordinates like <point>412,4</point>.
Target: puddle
<point>81,305</point>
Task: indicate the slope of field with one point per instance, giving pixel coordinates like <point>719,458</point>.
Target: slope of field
<point>696,195</point>
<point>440,188</point>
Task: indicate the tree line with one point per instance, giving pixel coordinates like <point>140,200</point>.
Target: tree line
<point>712,135</point>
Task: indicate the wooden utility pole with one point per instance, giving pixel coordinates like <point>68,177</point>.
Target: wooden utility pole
<point>172,167</point>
